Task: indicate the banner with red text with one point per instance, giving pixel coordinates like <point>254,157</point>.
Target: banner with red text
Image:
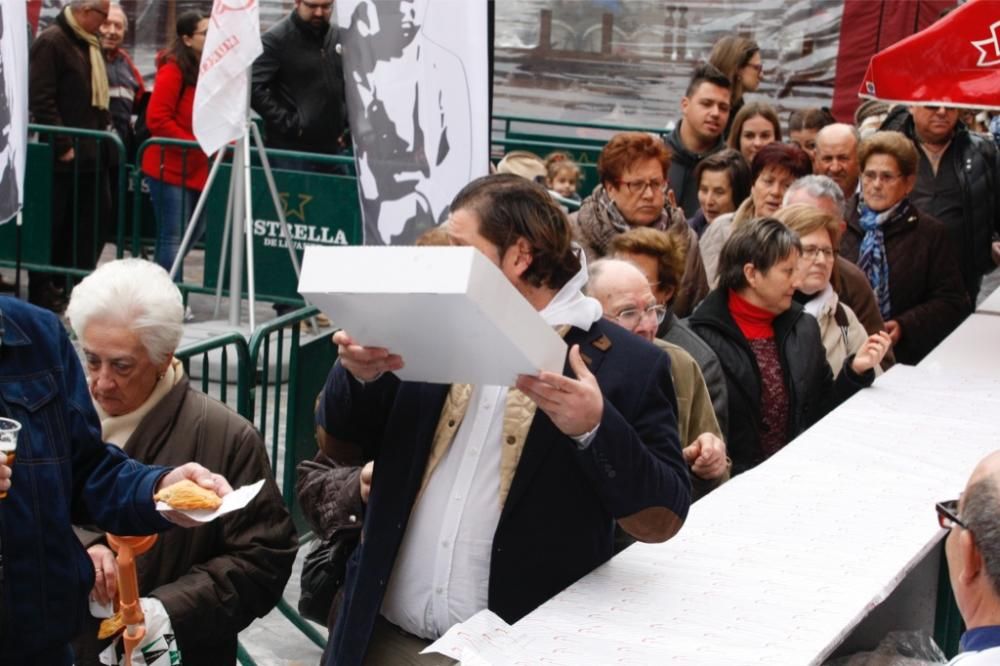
<point>231,46</point>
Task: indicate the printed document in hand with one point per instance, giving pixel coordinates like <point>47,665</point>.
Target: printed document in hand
<point>448,311</point>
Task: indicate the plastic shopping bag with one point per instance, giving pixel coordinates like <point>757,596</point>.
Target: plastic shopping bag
<point>157,648</point>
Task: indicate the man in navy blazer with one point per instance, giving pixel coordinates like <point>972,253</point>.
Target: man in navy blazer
<point>496,497</point>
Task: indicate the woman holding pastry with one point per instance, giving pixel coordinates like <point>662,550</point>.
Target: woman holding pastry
<point>211,581</point>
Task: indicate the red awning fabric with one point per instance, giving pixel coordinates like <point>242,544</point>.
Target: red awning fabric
<point>867,27</point>
<point>954,62</point>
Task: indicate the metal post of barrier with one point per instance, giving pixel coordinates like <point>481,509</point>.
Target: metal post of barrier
<point>75,135</point>
<point>261,350</point>
<point>222,343</point>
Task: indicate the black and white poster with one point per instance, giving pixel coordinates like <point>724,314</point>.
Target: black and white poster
<point>416,85</point>
<point>13,106</point>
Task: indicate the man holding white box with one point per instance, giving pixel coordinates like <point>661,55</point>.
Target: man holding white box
<point>495,496</point>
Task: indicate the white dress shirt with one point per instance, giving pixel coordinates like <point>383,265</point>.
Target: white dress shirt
<point>442,572</point>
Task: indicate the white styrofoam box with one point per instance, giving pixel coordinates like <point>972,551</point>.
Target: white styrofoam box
<point>448,311</point>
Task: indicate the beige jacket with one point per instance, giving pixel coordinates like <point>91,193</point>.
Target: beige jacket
<point>838,341</point>
<point>694,407</point>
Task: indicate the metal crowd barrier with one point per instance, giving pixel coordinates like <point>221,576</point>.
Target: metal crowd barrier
<point>314,202</point>
<point>277,380</point>
<point>36,240</point>
<point>219,350</point>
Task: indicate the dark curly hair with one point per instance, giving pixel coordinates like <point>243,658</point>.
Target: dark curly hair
<point>508,208</point>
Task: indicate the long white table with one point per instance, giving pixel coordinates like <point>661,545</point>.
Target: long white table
<point>973,349</point>
<point>782,564</point>
<point>991,305</point>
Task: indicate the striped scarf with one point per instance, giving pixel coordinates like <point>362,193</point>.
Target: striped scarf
<point>872,257</point>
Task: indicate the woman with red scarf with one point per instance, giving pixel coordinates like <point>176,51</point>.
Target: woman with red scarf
<point>777,377</point>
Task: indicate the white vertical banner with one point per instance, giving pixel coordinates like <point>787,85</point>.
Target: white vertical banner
<point>231,46</point>
<point>13,106</point>
<point>416,81</point>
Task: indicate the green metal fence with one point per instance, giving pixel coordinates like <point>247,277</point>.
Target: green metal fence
<point>320,208</point>
<point>277,379</point>
<point>107,170</point>
<point>221,351</point>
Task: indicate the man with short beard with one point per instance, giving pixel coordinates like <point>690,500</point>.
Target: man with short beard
<point>298,83</point>
<point>705,111</point>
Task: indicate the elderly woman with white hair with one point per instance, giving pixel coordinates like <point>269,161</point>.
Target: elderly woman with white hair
<point>211,581</point>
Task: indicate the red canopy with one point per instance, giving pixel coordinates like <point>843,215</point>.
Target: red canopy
<point>954,62</point>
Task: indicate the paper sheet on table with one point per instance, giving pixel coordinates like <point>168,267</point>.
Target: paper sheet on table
<point>449,312</point>
<point>482,640</point>
<point>234,501</point>
<point>778,565</point>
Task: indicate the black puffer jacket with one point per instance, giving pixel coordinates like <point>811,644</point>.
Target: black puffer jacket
<point>977,163</point>
<point>298,87</point>
<point>812,390</point>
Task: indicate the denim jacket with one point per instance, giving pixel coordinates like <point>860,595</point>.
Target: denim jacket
<point>63,474</point>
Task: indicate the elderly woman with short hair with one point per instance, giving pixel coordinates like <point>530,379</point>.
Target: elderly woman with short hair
<point>819,232</point>
<point>773,170</point>
<point>211,581</point>
<point>633,170</point>
<point>778,380</point>
<point>907,255</point>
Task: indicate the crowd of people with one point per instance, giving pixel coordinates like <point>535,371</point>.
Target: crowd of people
<point>82,77</point>
<point>719,292</point>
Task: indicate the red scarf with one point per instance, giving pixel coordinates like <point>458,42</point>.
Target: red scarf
<point>754,322</point>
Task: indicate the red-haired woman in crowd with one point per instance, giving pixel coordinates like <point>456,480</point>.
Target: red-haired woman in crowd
<point>775,167</point>
<point>633,170</point>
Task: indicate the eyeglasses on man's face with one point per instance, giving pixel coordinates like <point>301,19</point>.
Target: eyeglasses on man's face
<point>630,318</point>
<point>947,513</point>
<point>637,187</point>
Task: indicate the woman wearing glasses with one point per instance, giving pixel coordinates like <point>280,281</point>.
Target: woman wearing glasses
<point>908,256</point>
<point>633,193</point>
<point>777,378</point>
<point>739,59</point>
<point>841,332</point>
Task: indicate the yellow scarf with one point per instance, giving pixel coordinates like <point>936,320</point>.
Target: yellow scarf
<point>100,96</point>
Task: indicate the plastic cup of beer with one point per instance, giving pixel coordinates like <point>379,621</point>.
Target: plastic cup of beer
<point>9,429</point>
